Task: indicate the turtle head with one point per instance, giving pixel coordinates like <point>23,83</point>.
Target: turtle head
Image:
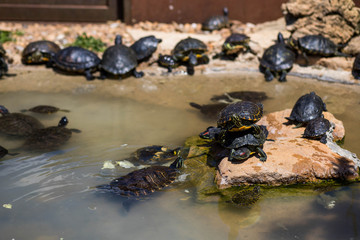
<point>63,122</point>
<point>225,11</point>
<point>280,38</point>
<point>118,40</point>
<point>3,110</point>
<point>239,154</point>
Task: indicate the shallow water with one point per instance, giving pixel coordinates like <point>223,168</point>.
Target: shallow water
<point>53,196</point>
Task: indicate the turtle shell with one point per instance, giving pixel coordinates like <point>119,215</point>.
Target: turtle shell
<point>39,52</point>
<point>317,45</point>
<point>356,67</point>
<point>186,46</point>
<point>155,154</point>
<point>245,111</point>
<point>45,109</point>
<point>317,128</point>
<point>308,107</point>
<point>245,138</point>
<point>145,47</point>
<point>246,197</point>
<point>216,22</point>
<point>76,59</point>
<point>118,60</point>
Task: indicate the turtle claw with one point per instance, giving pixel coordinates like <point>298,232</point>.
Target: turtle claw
<point>268,75</point>
<point>138,74</point>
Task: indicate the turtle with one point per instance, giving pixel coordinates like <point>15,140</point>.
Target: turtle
<point>167,61</point>
<point>145,47</point>
<point>76,59</point>
<point>240,116</point>
<point>50,138</point>
<point>119,60</point>
<point>44,109</point>
<point>3,64</point>
<point>278,59</point>
<point>190,52</point>
<point>211,133</point>
<point>216,22</point>
<point>246,197</point>
<point>154,154</point>
<point>356,67</point>
<point>316,45</point>
<point>308,107</point>
<point>17,124</point>
<point>144,181</point>
<point>39,52</point>
<point>233,45</point>
<point>211,111</point>
<point>317,128</point>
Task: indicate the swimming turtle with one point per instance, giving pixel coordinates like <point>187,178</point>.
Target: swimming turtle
<point>49,138</point>
<point>278,59</point>
<point>316,45</point>
<point>17,124</point>
<point>77,60</point>
<point>167,61</point>
<point>211,110</point>
<point>190,52</point>
<point>217,22</point>
<point>240,116</point>
<point>230,97</point>
<point>155,154</point>
<point>317,128</point>
<point>44,109</point>
<point>39,52</point>
<point>145,47</point>
<point>246,197</point>
<point>356,67</point>
<point>144,181</point>
<point>308,107</point>
<point>119,60</point>
<point>233,45</point>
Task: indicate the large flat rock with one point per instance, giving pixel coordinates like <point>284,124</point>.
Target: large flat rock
<point>291,158</point>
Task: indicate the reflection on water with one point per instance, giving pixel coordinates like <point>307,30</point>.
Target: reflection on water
<point>52,194</point>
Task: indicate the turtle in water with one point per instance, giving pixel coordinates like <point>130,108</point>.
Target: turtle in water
<point>190,52</point>
<point>39,52</point>
<point>167,61</point>
<point>233,45</point>
<point>317,128</point>
<point>356,67</point>
<point>155,154</point>
<point>119,60</point>
<point>77,60</point>
<point>211,111</point>
<point>316,45</point>
<point>246,197</point>
<point>308,107</point>
<point>145,47</point>
<point>217,22</point>
<point>144,181</point>
<point>49,138</point>
<point>44,109</point>
<point>278,59</point>
<point>17,124</point>
<point>240,116</point>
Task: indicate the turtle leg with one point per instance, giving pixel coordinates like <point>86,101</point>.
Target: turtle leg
<point>262,154</point>
<point>190,70</point>
<point>282,77</point>
<point>169,69</point>
<point>102,75</point>
<point>323,139</point>
<point>138,74</point>
<point>356,74</point>
<point>306,58</point>
<point>88,75</point>
<point>268,75</point>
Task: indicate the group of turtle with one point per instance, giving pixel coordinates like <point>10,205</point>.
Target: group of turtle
<point>34,134</point>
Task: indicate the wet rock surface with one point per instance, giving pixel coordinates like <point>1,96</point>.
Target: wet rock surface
<point>291,158</point>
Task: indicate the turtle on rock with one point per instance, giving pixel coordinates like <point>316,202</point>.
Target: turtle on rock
<point>39,52</point>
<point>167,61</point>
<point>233,45</point>
<point>317,129</point>
<point>119,61</point>
<point>145,47</point>
<point>217,22</point>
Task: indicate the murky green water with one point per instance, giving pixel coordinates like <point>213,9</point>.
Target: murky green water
<point>52,194</point>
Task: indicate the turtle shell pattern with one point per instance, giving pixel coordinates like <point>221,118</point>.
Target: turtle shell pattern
<point>317,44</point>
<point>317,128</point>
<point>19,124</point>
<point>185,46</point>
<point>308,107</point>
<point>145,47</point>
<point>76,59</point>
<point>47,138</point>
<point>47,49</point>
<point>278,57</point>
<point>118,60</point>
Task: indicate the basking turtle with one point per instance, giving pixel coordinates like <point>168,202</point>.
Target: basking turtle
<point>278,59</point>
<point>39,52</point>
<point>145,47</point>
<point>356,67</point>
<point>246,197</point>
<point>317,128</point>
<point>190,52</point>
<point>167,61</point>
<point>316,45</point>
<point>17,124</point>
<point>308,107</point>
<point>233,45</point>
<point>154,154</point>
<point>119,60</point>
<point>44,109</point>
<point>49,138</point>
<point>144,181</point>
<point>240,116</point>
<point>77,60</point>
<point>217,22</point>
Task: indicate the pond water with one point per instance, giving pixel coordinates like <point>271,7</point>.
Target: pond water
<point>52,194</point>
